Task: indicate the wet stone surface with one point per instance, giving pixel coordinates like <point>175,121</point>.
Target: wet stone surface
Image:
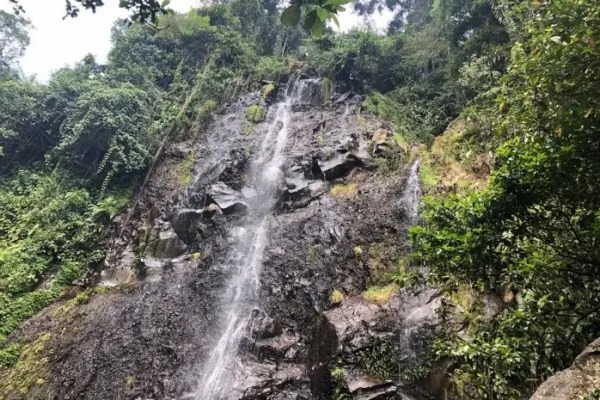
<point>150,339</point>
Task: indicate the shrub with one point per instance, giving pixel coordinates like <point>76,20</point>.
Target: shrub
<point>256,113</point>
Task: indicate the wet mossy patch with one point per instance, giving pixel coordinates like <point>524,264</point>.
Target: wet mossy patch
<point>29,372</point>
<point>256,113</point>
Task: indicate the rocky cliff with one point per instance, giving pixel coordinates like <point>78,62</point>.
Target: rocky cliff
<point>333,223</point>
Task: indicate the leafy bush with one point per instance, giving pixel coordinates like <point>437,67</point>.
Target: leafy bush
<point>533,232</point>
<point>49,231</point>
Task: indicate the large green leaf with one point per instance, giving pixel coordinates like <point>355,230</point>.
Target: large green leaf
<point>323,14</point>
<point>311,19</point>
<point>317,29</point>
<point>291,15</point>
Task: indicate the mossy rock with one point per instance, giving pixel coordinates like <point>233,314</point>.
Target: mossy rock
<point>268,90</point>
<point>256,113</point>
<point>28,375</point>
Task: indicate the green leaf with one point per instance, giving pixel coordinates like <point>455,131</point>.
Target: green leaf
<point>317,29</point>
<point>323,14</point>
<point>310,20</point>
<point>335,19</point>
<point>338,2</point>
<point>165,3</point>
<point>291,15</point>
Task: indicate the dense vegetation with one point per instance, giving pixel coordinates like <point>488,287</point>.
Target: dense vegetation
<point>532,236</point>
<point>522,75</point>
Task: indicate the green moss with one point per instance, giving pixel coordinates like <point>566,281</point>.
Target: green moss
<point>314,254</point>
<point>204,111</point>
<point>130,381</point>
<point>336,297</point>
<point>401,142</point>
<point>358,253</point>
<point>30,369</point>
<point>338,374</point>
<point>268,89</point>
<point>184,170</point>
<point>247,130</point>
<point>81,298</point>
<point>256,113</point>
<point>429,175</point>
<point>347,191</point>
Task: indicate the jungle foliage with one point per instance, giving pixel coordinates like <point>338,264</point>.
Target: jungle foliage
<point>532,236</point>
<point>523,74</point>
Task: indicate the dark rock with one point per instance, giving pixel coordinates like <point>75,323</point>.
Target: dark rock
<point>228,200</point>
<point>168,245</point>
<point>186,223</point>
<point>339,165</point>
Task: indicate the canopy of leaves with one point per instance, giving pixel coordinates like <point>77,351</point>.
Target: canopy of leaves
<point>534,232</point>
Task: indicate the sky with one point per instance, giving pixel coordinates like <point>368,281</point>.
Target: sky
<point>56,42</point>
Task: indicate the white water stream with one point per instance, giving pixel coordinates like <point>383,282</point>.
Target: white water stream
<point>245,260</point>
<point>412,195</point>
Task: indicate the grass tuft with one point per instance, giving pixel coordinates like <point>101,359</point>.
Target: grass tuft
<point>380,294</point>
<point>345,191</point>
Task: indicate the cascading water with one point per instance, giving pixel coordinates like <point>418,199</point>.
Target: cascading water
<point>412,194</point>
<point>245,260</point>
<point>412,323</point>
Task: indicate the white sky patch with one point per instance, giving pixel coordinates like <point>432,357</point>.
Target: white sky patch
<point>56,43</point>
<point>377,22</point>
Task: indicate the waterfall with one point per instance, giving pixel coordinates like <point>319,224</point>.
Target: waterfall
<point>419,312</point>
<point>245,259</point>
<point>412,195</point>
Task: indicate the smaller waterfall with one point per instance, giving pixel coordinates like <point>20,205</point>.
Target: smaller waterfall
<point>421,307</point>
<point>245,259</point>
<point>412,195</point>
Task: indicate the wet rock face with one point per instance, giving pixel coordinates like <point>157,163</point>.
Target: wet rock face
<point>149,340</point>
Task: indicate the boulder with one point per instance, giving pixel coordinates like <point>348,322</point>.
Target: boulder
<point>168,245</point>
<point>339,165</point>
<point>186,220</point>
<point>380,139</point>
<point>228,200</point>
<point>576,381</point>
